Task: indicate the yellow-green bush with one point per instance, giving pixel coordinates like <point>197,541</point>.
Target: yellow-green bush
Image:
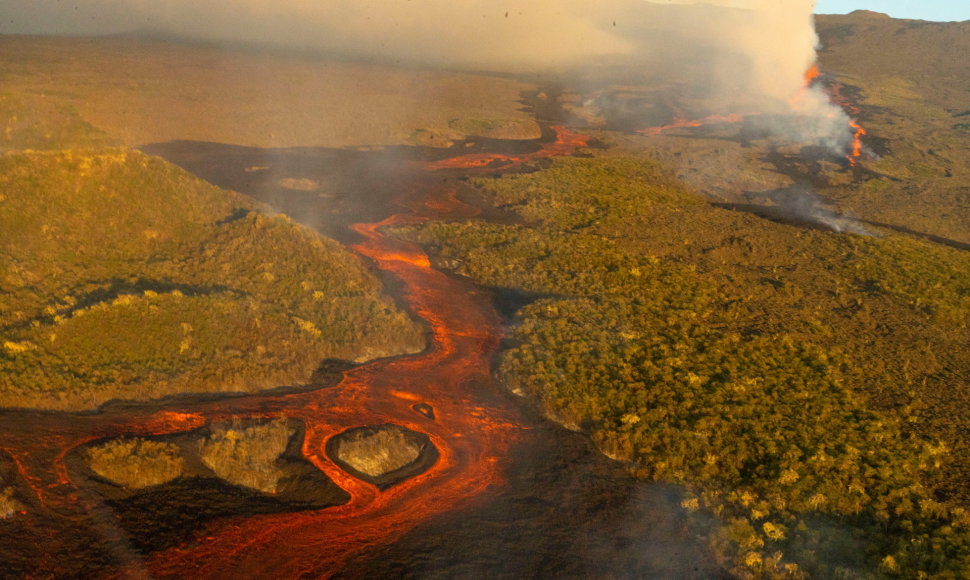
<point>8,504</point>
<point>779,374</point>
<point>247,455</point>
<point>376,452</point>
<point>136,463</point>
<point>127,281</point>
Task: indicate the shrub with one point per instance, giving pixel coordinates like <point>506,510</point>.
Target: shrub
<point>376,452</point>
<point>247,455</point>
<point>136,463</point>
<point>8,505</point>
<point>749,361</point>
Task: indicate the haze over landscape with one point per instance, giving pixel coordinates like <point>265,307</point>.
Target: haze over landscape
<point>361,289</point>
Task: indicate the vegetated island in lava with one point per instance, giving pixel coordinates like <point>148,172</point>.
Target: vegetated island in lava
<point>779,333</point>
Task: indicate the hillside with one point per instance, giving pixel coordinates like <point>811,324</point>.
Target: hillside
<point>144,91</point>
<point>790,377</point>
<point>908,80</point>
<point>125,277</point>
<point>688,305</point>
<point>680,296</point>
<point>903,81</point>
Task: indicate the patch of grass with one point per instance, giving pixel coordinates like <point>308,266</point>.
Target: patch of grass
<point>379,451</point>
<point>128,282</point>
<point>495,127</point>
<point>136,463</point>
<point>8,504</point>
<point>787,377</point>
<point>247,455</point>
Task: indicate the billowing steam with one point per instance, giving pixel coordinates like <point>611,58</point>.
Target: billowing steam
<point>751,52</point>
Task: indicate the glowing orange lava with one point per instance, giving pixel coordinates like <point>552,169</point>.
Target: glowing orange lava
<point>811,74</point>
<point>566,142</point>
<point>834,91</point>
<point>856,142</point>
<point>796,103</point>
<point>473,428</point>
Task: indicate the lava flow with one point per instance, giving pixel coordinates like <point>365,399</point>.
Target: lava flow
<point>445,392</point>
<point>834,92</point>
<point>857,134</point>
<point>811,74</point>
<point>566,142</point>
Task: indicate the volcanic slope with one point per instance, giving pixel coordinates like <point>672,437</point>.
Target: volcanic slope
<point>124,277</point>
<point>907,81</point>
<point>144,91</point>
<point>808,387</point>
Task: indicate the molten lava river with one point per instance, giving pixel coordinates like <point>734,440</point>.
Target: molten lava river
<point>575,514</point>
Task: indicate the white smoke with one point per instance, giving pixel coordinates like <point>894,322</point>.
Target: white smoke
<point>801,203</point>
<point>750,51</point>
<point>777,38</point>
<point>467,33</point>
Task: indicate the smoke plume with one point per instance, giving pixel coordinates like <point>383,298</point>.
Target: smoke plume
<point>753,53</point>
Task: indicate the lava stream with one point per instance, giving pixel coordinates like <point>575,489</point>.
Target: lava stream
<point>567,141</point>
<point>834,91</point>
<point>856,152</point>
<point>473,427</point>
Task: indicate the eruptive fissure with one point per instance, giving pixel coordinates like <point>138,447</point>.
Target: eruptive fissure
<point>798,104</point>
<point>857,134</point>
<point>438,394</point>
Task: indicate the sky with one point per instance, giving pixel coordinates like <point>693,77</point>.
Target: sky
<point>940,10</point>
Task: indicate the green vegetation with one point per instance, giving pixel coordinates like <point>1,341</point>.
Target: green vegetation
<point>377,451</point>
<point>242,452</point>
<point>122,276</point>
<point>136,463</point>
<point>911,98</point>
<point>247,455</point>
<point>808,388</point>
<point>37,123</point>
<point>8,504</point>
